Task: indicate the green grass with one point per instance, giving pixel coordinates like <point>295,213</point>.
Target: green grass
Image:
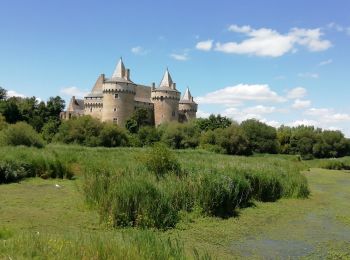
<point>312,228</point>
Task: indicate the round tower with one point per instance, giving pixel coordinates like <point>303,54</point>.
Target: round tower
<point>166,100</point>
<point>187,106</point>
<point>118,96</point>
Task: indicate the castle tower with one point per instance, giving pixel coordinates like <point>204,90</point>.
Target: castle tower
<point>187,106</point>
<point>166,100</point>
<point>118,96</point>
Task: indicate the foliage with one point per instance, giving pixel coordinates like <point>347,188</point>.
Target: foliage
<point>112,136</point>
<point>20,134</point>
<point>3,123</point>
<point>139,118</point>
<point>49,130</point>
<point>16,165</point>
<point>30,110</point>
<point>310,142</point>
<point>3,93</point>
<point>89,131</point>
<point>213,122</point>
<point>234,140</point>
<point>160,161</point>
<point>180,136</point>
<point>262,137</point>
<point>148,135</point>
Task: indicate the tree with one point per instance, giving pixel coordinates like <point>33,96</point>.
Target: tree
<point>139,118</point>
<point>3,93</point>
<point>234,140</point>
<point>262,137</point>
<point>213,122</point>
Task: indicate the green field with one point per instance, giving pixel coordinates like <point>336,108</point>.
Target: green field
<point>51,219</point>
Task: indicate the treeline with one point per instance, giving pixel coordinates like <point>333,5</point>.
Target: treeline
<point>216,133</point>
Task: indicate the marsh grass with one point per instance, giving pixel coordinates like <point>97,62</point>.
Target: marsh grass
<point>107,245</point>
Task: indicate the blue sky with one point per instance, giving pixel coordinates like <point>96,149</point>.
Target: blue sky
<point>283,62</point>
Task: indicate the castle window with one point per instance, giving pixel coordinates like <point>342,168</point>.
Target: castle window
<point>115,109</point>
<point>161,98</point>
<point>90,109</point>
<point>173,114</point>
<point>116,96</point>
<point>115,120</point>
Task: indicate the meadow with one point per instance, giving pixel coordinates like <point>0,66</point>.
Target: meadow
<point>117,203</point>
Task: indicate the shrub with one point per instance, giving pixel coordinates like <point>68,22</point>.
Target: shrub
<point>138,202</point>
<point>113,136</point>
<point>265,186</point>
<point>148,135</point>
<point>234,140</point>
<point>220,194</point>
<point>160,160</point>
<point>335,165</point>
<point>20,134</point>
<point>11,172</point>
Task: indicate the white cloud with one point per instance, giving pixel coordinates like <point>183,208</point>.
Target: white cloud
<point>305,122</point>
<point>138,50</point>
<point>180,57</point>
<point>234,95</point>
<point>301,104</point>
<point>335,26</point>
<point>239,29</point>
<point>204,45</point>
<point>309,75</point>
<point>327,115</point>
<point>325,62</point>
<point>295,93</point>
<point>73,91</point>
<point>268,42</point>
<point>12,93</point>
<point>260,109</point>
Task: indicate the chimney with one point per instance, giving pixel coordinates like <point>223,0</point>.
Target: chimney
<point>127,74</point>
<point>153,86</point>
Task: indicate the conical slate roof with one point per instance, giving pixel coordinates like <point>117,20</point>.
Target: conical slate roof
<point>119,71</point>
<point>167,81</point>
<point>187,97</point>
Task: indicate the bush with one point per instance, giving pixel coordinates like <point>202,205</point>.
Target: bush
<point>265,186</point>
<point>335,165</point>
<point>220,195</point>
<point>20,134</point>
<point>148,135</point>
<point>160,161</point>
<point>11,172</point>
<point>138,202</point>
<point>113,136</point>
<point>234,140</point>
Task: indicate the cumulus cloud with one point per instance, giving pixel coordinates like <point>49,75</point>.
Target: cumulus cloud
<point>204,45</point>
<point>325,62</point>
<point>271,43</point>
<point>12,93</point>
<point>138,50</point>
<point>298,92</point>
<point>73,91</point>
<point>301,104</point>
<point>328,115</point>
<point>234,95</point>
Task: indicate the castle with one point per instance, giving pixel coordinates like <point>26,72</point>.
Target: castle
<point>115,99</point>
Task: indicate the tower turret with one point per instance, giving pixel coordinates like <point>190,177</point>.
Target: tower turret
<point>166,100</point>
<point>118,95</point>
<point>187,106</point>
